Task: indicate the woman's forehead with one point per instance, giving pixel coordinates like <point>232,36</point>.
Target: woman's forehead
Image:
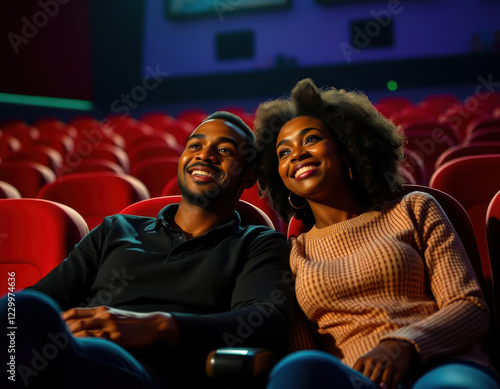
<point>298,124</point>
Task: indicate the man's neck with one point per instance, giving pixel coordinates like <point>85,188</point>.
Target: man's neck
<point>194,220</point>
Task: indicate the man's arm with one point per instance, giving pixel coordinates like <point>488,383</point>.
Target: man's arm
<point>261,304</point>
<point>70,282</point>
<point>126,328</point>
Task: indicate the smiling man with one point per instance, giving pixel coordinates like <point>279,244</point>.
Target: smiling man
<point>141,301</point>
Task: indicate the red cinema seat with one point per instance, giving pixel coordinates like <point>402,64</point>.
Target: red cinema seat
<point>472,181</point>
<point>35,236</point>
<point>26,176</point>
<point>95,195</point>
<point>250,214</point>
<point>155,173</point>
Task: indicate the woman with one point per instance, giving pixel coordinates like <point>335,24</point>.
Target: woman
<point>384,279</point>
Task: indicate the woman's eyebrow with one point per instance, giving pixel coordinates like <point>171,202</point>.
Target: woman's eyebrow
<point>301,132</point>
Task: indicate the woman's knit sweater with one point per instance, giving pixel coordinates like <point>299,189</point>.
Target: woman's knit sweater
<point>398,272</point>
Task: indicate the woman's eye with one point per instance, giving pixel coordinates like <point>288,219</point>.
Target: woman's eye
<point>311,138</point>
<point>282,153</point>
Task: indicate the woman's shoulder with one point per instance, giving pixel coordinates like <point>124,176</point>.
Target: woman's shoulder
<point>415,198</point>
<point>417,205</point>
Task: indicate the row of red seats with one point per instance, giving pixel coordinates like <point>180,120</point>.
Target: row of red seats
<point>442,108</point>
<point>440,124</point>
<point>121,145</point>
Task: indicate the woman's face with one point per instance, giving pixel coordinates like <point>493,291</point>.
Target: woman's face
<point>310,164</point>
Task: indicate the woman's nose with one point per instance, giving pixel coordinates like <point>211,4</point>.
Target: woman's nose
<point>298,154</point>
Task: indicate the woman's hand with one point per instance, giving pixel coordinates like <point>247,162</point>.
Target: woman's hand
<point>126,328</point>
<point>387,363</point>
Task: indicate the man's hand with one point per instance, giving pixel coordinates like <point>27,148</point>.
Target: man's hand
<point>387,363</point>
<point>126,328</point>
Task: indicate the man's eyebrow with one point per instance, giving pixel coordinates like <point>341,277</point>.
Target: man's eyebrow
<point>197,136</point>
<point>223,139</point>
<point>301,132</point>
<point>220,139</point>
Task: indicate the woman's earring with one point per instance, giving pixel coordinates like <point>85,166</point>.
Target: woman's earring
<point>293,206</point>
<point>350,173</point>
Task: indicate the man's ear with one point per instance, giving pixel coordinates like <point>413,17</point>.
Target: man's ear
<point>249,178</point>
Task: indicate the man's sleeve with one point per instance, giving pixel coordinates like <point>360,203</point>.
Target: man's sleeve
<point>69,283</point>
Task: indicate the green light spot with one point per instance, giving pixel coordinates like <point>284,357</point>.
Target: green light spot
<point>42,101</point>
<point>392,85</point>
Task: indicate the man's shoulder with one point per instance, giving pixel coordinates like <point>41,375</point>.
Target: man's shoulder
<point>261,232</point>
<point>124,220</point>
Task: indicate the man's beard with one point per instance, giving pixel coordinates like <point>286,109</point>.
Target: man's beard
<point>211,194</point>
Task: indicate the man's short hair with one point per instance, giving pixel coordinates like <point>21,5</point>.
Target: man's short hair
<point>236,120</point>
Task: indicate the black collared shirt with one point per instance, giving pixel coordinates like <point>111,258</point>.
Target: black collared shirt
<point>228,287</point>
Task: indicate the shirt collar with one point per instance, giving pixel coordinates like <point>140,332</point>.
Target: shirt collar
<point>168,213</point>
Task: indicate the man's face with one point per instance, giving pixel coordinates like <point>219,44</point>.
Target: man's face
<point>212,166</point>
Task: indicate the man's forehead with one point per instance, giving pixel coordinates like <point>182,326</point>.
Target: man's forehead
<point>218,125</point>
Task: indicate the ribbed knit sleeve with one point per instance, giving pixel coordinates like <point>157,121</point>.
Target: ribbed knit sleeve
<point>462,317</point>
<point>396,272</point>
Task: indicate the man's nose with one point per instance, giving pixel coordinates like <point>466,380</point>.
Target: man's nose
<point>207,154</point>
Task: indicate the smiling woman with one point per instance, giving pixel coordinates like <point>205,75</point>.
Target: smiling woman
<point>384,285</point>
<point>365,140</point>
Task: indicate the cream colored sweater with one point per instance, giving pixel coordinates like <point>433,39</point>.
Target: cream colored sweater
<point>399,272</point>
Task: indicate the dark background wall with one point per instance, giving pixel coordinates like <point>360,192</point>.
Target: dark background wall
<point>126,55</point>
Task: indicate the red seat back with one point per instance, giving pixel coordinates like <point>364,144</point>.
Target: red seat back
<point>493,238</point>
<point>250,214</point>
<point>26,176</point>
<point>35,236</point>
<point>95,194</point>
<point>472,181</point>
<point>155,173</point>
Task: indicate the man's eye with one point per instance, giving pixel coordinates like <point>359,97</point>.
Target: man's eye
<point>226,150</point>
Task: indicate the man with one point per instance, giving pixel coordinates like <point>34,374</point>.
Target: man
<point>144,300</point>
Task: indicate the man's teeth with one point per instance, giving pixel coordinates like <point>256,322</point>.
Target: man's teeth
<point>202,173</point>
<point>304,169</point>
